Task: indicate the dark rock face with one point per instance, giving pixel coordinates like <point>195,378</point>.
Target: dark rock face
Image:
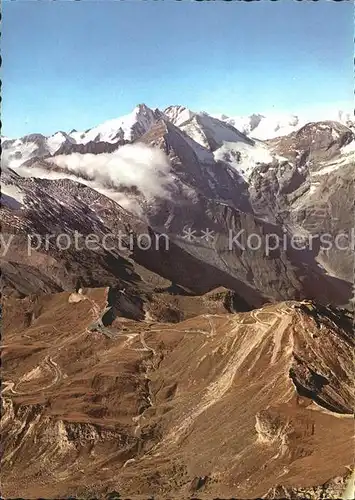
<point>200,266</point>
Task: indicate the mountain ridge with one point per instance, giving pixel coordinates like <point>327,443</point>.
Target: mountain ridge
<point>133,401</point>
<point>150,346</point>
<point>141,118</point>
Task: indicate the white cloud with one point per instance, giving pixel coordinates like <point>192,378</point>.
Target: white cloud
<point>136,166</point>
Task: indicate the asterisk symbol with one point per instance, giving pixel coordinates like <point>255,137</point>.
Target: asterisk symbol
<point>207,235</point>
<point>189,234</point>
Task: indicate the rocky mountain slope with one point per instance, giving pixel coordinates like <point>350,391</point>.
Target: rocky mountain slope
<point>254,404</point>
<point>64,208</point>
<point>179,171</point>
<point>162,332</point>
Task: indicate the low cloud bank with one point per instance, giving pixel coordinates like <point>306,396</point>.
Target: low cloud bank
<point>132,167</point>
<point>119,175</point>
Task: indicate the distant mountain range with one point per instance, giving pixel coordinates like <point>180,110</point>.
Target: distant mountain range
<point>135,124</point>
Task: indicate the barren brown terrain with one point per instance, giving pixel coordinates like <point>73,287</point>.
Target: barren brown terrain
<point>243,405</point>
<point>177,278</point>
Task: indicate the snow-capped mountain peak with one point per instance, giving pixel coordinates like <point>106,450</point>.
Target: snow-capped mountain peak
<point>55,141</point>
<point>127,127</point>
<point>269,126</point>
<point>211,132</point>
<point>220,136</point>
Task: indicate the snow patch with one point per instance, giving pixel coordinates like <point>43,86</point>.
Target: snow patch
<point>12,196</point>
<point>243,157</point>
<point>349,149</point>
<point>264,127</point>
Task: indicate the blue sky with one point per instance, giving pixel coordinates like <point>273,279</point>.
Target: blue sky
<point>73,64</point>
